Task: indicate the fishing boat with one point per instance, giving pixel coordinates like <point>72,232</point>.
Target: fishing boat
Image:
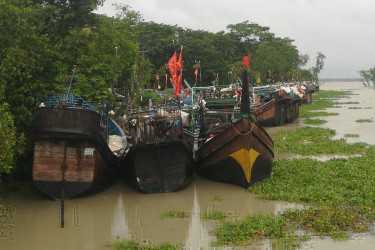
<point>72,151</point>
<point>159,160</point>
<point>278,107</point>
<point>235,149</point>
<point>309,90</point>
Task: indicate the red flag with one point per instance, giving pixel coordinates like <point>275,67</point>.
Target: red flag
<point>196,74</point>
<point>172,65</point>
<point>175,68</point>
<point>179,62</point>
<point>246,61</point>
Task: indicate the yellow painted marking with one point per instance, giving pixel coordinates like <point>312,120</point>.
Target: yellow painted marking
<point>246,160</point>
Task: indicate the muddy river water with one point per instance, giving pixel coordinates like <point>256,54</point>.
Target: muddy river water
<point>119,212</point>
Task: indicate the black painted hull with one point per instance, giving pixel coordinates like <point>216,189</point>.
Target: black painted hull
<point>159,168</point>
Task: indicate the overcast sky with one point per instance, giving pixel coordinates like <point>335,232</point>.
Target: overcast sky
<point>343,30</point>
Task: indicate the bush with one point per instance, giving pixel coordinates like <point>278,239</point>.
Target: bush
<point>11,142</point>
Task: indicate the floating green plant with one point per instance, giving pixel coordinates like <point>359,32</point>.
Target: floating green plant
<point>133,245</point>
<point>364,120</point>
<point>216,215</point>
<point>348,103</point>
<point>173,214</point>
<point>351,135</point>
<point>314,121</point>
<point>217,197</point>
<point>321,101</point>
<point>256,228</point>
<point>314,141</point>
<point>335,182</point>
<point>338,193</point>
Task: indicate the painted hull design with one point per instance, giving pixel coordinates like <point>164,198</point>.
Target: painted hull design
<point>70,156</point>
<point>242,154</point>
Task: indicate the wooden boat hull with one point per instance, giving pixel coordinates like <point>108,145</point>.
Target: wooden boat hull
<point>241,155</point>
<point>278,111</point>
<point>70,156</point>
<point>270,114</point>
<point>160,167</point>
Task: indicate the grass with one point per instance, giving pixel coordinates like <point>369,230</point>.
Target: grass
<point>133,245</point>
<point>174,214</point>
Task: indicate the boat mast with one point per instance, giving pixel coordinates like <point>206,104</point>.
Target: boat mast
<point>245,98</point>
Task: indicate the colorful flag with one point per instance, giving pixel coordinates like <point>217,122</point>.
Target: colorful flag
<point>175,68</point>
<point>246,61</point>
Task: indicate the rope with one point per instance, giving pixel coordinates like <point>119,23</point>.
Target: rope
<point>251,130</point>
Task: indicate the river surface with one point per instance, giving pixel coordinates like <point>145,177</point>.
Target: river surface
<point>119,212</point>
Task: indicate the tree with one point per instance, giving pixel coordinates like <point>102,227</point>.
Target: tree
<point>365,75</point>
<point>372,75</point>
<point>276,57</point>
<point>319,64</point>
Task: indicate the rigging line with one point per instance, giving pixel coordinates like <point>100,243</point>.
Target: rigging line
<point>251,130</point>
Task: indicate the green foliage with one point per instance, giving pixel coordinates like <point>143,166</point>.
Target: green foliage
<point>217,197</point>
<point>328,221</point>
<point>322,100</point>
<point>338,191</point>
<point>132,245</point>
<point>314,121</point>
<point>11,141</point>
<point>332,182</point>
<point>364,120</point>
<point>319,64</point>
<point>256,228</point>
<point>351,135</point>
<point>216,215</point>
<point>174,214</point>
<point>142,99</point>
<point>314,141</point>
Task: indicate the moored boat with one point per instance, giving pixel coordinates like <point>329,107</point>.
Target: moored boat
<point>281,107</point>
<point>71,151</point>
<point>240,152</point>
<point>159,160</point>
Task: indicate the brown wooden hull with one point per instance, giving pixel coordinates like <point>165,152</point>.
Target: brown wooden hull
<point>279,111</point>
<point>160,167</point>
<point>242,154</point>
<point>70,156</point>
<point>159,160</point>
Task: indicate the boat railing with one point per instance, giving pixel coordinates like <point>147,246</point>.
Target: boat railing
<point>65,100</point>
